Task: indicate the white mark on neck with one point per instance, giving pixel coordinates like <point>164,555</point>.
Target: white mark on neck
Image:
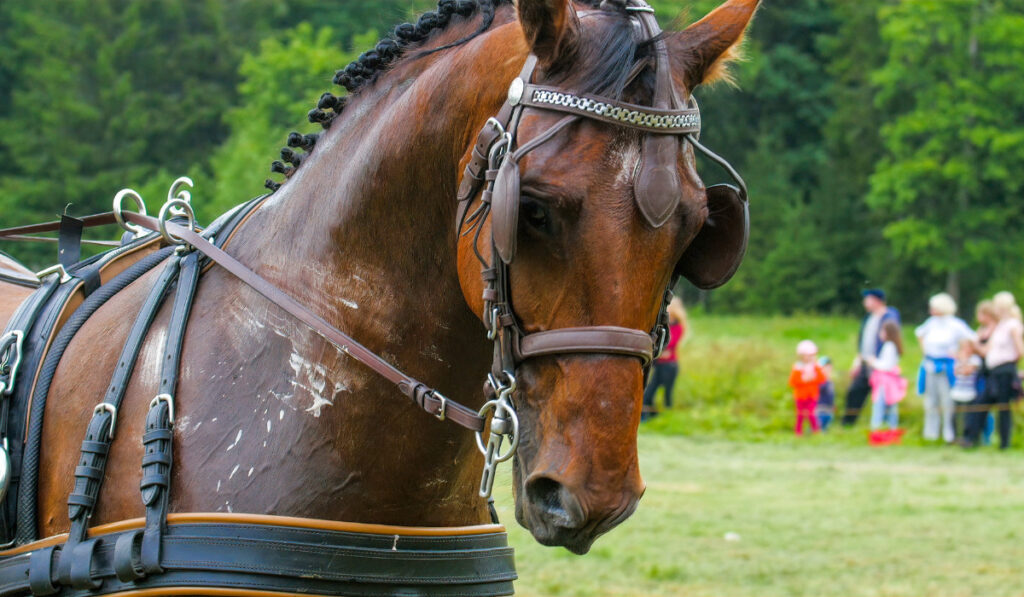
<point>237,439</point>
<point>349,304</point>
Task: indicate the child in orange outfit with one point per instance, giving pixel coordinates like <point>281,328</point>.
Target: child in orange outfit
<point>806,379</point>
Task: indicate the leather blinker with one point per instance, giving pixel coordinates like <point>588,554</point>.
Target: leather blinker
<point>717,251</point>
<point>657,188</point>
<point>505,209</point>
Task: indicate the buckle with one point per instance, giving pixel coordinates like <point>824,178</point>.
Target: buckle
<point>110,408</point>
<point>10,359</point>
<point>170,405</point>
<point>442,411</point>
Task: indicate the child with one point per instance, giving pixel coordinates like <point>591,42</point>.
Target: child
<point>966,384</point>
<point>888,387</point>
<point>806,379</point>
<point>826,395</point>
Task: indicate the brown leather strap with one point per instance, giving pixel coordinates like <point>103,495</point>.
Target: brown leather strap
<point>428,399</point>
<point>54,226</point>
<point>595,339</point>
<point>665,121</point>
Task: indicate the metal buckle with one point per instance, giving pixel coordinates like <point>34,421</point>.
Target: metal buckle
<point>170,405</point>
<point>10,349</point>
<point>106,406</point>
<point>662,342</point>
<point>442,412</point>
<point>54,269</point>
<point>492,333</point>
<point>504,423</point>
<point>135,197</point>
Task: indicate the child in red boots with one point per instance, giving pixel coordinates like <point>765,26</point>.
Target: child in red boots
<point>806,379</point>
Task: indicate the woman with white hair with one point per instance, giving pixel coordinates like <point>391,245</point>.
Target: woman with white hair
<point>1001,353</point>
<point>940,337</point>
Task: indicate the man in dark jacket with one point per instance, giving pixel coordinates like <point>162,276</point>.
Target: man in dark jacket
<point>869,344</point>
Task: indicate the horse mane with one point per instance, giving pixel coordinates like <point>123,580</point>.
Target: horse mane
<point>605,66</point>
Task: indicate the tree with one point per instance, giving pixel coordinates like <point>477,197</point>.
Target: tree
<point>948,184</point>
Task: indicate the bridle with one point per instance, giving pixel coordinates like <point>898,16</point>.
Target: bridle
<point>494,169</point>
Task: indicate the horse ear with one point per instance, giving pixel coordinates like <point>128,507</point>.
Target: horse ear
<point>709,45</point>
<point>550,27</point>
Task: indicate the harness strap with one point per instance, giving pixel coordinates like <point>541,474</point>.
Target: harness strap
<point>427,398</point>
<point>596,339</point>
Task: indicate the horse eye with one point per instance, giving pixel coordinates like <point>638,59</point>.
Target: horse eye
<point>535,215</point>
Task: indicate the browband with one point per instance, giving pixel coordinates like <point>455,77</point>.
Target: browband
<point>642,118</point>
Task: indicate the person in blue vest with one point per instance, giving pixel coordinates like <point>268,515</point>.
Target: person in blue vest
<point>869,345</point>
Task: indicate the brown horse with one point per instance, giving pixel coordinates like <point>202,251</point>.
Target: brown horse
<point>272,419</point>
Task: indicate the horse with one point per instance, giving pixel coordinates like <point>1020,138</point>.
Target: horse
<point>273,419</point>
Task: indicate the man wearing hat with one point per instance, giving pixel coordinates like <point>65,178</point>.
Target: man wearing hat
<point>869,344</point>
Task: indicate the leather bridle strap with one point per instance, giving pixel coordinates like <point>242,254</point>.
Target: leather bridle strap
<point>595,339</point>
<point>425,397</point>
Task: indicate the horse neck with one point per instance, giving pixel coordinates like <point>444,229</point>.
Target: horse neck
<point>364,234</point>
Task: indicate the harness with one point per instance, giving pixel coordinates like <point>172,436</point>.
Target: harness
<point>251,554</point>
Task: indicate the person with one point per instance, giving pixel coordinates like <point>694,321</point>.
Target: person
<point>869,346</point>
<point>985,314</point>
<point>965,385</point>
<point>666,366</point>
<point>826,395</point>
<point>888,387</point>
<point>940,337</point>
<point>806,378</point>
<point>1002,351</point>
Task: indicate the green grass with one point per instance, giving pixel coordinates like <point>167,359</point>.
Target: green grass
<point>824,515</point>
<point>816,518</point>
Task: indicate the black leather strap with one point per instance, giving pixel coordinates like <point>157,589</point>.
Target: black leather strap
<point>285,559</point>
<point>69,241</point>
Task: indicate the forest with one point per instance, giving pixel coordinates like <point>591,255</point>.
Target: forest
<point>882,140</point>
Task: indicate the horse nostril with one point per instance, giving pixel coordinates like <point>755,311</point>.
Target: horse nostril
<point>556,502</point>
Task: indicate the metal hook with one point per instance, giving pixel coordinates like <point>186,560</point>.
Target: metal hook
<point>177,191</point>
<point>139,203</point>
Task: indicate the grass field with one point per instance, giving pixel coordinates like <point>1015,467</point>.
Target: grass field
<point>821,516</point>
<point>817,518</point>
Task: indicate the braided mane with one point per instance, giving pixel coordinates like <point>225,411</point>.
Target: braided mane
<point>365,69</point>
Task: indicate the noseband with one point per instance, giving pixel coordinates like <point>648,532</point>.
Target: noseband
<point>494,167</point>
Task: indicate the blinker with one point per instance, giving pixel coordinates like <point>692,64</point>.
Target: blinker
<point>505,209</point>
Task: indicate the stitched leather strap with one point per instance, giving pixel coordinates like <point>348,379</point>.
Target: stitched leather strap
<point>595,339</point>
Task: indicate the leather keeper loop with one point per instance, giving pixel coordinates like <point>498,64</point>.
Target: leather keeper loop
<point>156,458</point>
<point>156,435</point>
<point>89,472</point>
<point>127,559</point>
<point>81,566</point>
<point>101,448</point>
<point>40,571</point>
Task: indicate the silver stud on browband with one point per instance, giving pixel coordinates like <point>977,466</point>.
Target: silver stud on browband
<point>515,91</point>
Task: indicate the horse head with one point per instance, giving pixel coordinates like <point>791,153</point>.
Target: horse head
<point>590,224</point>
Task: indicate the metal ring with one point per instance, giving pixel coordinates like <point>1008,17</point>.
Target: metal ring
<point>170,405</point>
<point>488,406</point>
<point>139,203</point>
<point>178,192</point>
<point>110,408</point>
<point>167,211</point>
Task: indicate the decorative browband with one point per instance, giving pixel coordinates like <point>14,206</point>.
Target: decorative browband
<point>644,118</point>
